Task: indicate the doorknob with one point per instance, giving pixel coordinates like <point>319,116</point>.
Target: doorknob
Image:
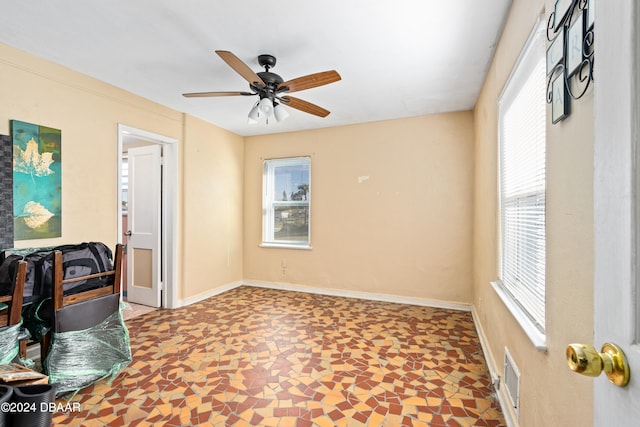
<point>128,233</point>
<point>584,359</point>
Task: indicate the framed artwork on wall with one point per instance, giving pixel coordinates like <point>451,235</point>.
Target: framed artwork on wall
<point>570,54</point>
<point>555,52</point>
<point>560,11</point>
<point>37,181</point>
<point>559,104</point>
<point>575,42</point>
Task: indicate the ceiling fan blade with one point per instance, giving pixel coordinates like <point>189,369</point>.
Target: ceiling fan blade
<point>305,106</point>
<point>208,94</point>
<point>240,67</point>
<point>312,80</point>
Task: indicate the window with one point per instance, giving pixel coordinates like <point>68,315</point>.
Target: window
<point>286,198</point>
<point>522,145</point>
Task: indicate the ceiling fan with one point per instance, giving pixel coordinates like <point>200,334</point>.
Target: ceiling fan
<point>270,88</point>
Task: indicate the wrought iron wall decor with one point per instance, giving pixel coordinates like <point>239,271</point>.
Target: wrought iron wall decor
<point>570,55</point>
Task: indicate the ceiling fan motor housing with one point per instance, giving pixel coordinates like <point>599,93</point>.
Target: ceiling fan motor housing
<point>271,80</point>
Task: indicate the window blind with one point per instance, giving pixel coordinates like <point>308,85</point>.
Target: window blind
<point>522,113</point>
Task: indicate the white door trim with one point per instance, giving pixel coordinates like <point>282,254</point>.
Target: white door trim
<point>617,203</point>
<point>169,239</point>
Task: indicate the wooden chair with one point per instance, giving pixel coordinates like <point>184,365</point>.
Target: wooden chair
<point>83,317</point>
<point>13,313</point>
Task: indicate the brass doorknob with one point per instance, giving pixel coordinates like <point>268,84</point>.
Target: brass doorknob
<point>584,359</point>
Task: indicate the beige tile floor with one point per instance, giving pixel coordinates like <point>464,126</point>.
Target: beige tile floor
<point>132,310</point>
<point>261,357</point>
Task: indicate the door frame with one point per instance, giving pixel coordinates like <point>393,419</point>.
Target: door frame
<point>169,233</point>
<point>617,203</point>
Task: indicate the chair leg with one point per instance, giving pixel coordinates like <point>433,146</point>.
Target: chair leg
<point>44,347</point>
<point>22,351</point>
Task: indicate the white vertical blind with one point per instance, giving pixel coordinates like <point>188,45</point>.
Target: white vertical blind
<point>522,112</point>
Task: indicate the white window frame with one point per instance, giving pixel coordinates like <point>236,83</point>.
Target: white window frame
<point>521,284</point>
<point>269,202</point>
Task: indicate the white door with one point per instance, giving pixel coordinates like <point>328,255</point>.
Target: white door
<point>617,204</point>
<point>143,246</point>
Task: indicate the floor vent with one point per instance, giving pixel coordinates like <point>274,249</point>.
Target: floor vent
<point>512,380</point>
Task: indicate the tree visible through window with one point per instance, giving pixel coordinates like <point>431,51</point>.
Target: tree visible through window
<point>286,201</point>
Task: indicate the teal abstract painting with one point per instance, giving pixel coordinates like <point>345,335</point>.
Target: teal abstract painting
<point>37,181</point>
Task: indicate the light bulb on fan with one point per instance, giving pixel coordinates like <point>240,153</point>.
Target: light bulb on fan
<point>280,112</point>
<point>266,106</point>
<point>254,114</point>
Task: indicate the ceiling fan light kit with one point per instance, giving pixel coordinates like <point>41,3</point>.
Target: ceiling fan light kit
<point>266,106</point>
<point>270,86</point>
<point>254,114</point>
<point>280,112</point>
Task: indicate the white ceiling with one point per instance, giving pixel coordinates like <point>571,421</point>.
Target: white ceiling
<point>397,59</point>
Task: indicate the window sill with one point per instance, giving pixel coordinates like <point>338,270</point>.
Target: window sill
<point>537,338</point>
<point>285,246</point>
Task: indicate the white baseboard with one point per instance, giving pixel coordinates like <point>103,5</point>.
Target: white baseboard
<point>501,393</point>
<point>209,294</point>
<point>361,295</point>
<point>324,291</point>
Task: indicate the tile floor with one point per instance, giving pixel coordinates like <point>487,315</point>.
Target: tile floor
<point>132,310</point>
<point>261,357</point>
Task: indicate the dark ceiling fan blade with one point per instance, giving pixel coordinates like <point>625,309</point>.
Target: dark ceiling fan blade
<point>305,106</point>
<point>312,80</point>
<point>240,67</point>
<point>208,94</point>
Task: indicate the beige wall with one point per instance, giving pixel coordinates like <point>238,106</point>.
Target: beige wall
<point>391,208</point>
<point>87,112</point>
<point>404,207</point>
<point>550,394</point>
<point>212,209</point>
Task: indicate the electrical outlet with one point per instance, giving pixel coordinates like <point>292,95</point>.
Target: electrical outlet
<point>283,263</point>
